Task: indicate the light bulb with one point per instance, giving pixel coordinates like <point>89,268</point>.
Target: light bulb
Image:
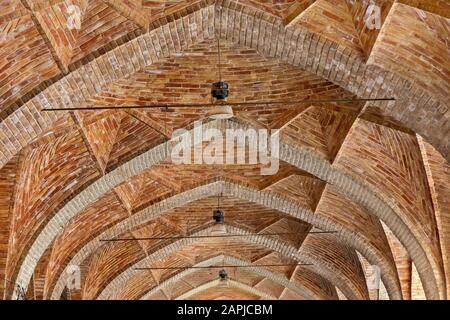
<point>223,279</point>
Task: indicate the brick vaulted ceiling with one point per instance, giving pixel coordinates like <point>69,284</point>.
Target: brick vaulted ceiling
<point>376,174</point>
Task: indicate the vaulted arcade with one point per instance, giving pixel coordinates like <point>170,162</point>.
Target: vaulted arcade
<point>229,149</point>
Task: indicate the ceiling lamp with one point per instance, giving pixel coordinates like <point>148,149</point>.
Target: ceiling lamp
<point>219,90</point>
<point>218,216</point>
<point>221,110</point>
<point>219,93</point>
<point>223,279</point>
<point>219,227</point>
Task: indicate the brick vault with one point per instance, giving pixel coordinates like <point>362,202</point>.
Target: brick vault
<point>359,207</point>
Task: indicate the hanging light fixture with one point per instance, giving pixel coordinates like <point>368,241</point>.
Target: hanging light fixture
<point>223,279</point>
<point>219,227</point>
<point>219,92</point>
<point>221,110</point>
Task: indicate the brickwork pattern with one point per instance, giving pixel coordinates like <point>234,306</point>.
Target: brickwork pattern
<point>283,204</point>
<point>324,265</point>
<point>80,207</point>
<point>266,34</point>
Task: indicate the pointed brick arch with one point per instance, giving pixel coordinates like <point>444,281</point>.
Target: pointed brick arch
<point>264,198</point>
<point>352,285</point>
<point>346,184</point>
<point>246,27</point>
<point>302,159</point>
<point>301,288</point>
<point>231,283</point>
<point>293,46</point>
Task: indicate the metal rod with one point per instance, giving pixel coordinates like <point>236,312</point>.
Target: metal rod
<point>322,232</point>
<point>218,58</point>
<point>198,237</point>
<point>227,266</point>
<point>212,236</point>
<point>235,104</point>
